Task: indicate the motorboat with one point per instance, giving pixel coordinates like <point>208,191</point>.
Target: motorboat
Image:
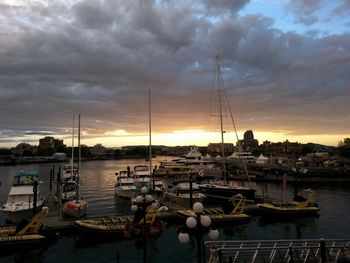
<point>20,200</point>
<point>194,160</point>
<point>302,204</point>
<point>180,193</point>
<point>124,185</point>
<point>141,171</point>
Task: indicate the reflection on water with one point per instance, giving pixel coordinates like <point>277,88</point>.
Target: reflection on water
<point>98,179</point>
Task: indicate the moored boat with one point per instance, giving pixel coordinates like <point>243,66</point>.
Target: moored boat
<point>180,194</point>
<point>124,185</point>
<point>20,201</point>
<point>303,204</point>
<point>108,225</point>
<point>23,235</point>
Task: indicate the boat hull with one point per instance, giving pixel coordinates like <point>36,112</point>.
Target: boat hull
<point>125,193</point>
<point>19,215</point>
<point>76,209</point>
<point>221,192</point>
<point>184,200</point>
<point>286,211</point>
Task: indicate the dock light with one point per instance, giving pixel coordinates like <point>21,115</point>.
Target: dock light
<point>134,208</point>
<point>198,208</point>
<point>184,237</point>
<point>148,198</point>
<point>205,221</point>
<point>144,190</point>
<point>200,225</point>
<point>191,222</point>
<point>213,234</point>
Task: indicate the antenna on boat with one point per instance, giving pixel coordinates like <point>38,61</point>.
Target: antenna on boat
<point>219,90</point>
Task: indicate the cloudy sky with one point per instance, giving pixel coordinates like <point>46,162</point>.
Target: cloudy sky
<point>285,66</point>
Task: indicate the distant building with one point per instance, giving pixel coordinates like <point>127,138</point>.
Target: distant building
<point>216,148</point>
<point>284,148</point>
<point>248,143</point>
<point>49,142</point>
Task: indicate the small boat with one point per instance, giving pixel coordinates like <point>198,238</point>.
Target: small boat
<point>180,194</point>
<point>303,204</point>
<point>20,200</point>
<point>75,208</point>
<point>22,235</point>
<point>124,186</point>
<point>107,225</point>
<point>123,224</point>
<point>232,212</point>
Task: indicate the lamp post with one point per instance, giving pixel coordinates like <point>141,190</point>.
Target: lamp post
<point>143,201</point>
<point>198,224</point>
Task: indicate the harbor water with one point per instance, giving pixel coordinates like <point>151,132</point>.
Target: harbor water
<point>98,178</point>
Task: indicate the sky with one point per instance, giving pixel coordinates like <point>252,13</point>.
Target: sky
<point>285,67</point>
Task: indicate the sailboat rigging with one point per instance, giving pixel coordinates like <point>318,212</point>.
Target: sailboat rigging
<point>224,190</point>
<point>76,206</point>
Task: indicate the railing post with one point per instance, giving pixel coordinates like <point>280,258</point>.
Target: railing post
<point>323,250</point>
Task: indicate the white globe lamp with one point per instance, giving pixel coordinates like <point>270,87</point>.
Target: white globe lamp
<point>183,237</point>
<point>191,222</point>
<point>198,208</point>
<point>213,234</point>
<point>205,221</point>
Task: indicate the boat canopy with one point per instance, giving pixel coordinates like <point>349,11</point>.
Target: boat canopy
<point>25,178</point>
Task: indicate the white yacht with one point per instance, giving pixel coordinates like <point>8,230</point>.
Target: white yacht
<point>70,172</point>
<point>20,200</point>
<point>194,160</point>
<point>124,186</point>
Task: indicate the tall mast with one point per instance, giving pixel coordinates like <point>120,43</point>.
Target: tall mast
<point>79,156</point>
<point>219,90</point>
<point>150,132</point>
<point>72,160</point>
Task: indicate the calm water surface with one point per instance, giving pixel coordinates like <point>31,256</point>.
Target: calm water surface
<point>98,188</point>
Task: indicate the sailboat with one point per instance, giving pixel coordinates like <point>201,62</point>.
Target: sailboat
<point>222,190</point>
<point>77,206</point>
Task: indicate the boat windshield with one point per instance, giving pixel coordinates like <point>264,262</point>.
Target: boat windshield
<point>24,180</point>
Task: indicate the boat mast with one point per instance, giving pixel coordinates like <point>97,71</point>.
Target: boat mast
<point>150,132</point>
<point>79,157</point>
<point>219,90</point>
<point>72,159</point>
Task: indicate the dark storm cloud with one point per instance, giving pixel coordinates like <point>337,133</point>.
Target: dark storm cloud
<point>100,58</point>
<point>304,10</point>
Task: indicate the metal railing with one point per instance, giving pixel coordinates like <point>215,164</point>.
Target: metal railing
<point>302,250</point>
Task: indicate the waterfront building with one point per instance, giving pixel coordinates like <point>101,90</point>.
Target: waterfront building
<point>248,143</point>
<point>215,148</point>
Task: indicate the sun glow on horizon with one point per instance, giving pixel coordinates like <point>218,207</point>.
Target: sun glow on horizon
<point>121,137</point>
